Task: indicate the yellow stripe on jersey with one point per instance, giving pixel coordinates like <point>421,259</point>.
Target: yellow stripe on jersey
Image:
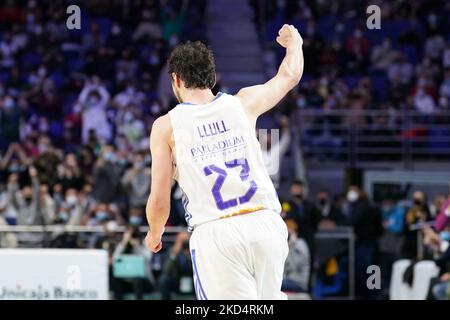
<point>242,211</point>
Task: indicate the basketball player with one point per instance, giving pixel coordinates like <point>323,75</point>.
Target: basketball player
<point>208,144</point>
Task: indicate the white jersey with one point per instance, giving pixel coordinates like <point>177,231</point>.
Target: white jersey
<point>218,161</point>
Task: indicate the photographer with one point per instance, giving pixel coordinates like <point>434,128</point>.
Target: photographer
<point>132,243</point>
<point>177,270</point>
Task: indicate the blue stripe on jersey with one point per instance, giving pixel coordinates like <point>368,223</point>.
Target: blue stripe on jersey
<point>192,104</point>
<point>187,215</point>
<point>200,293</point>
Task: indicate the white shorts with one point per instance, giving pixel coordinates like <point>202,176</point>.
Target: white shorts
<point>241,257</point>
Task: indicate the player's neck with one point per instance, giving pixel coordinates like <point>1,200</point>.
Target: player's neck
<point>198,96</point>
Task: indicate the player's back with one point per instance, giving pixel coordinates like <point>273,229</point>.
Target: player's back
<point>218,159</point>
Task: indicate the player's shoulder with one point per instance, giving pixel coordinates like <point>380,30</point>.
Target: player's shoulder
<point>162,125</point>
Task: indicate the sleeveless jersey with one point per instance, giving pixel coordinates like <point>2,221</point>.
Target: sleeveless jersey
<point>218,161</point>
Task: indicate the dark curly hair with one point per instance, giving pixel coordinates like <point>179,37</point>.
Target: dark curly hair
<point>194,63</point>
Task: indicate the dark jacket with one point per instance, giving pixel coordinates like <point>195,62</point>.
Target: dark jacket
<point>365,220</point>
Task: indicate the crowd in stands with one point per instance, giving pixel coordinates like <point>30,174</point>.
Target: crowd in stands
<point>400,72</point>
<point>76,109</point>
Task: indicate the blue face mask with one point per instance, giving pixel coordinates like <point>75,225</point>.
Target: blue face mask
<point>445,235</point>
<point>109,156</point>
<point>135,220</point>
<point>63,216</point>
<point>102,215</point>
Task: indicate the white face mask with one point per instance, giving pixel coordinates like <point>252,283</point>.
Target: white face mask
<point>71,200</point>
<point>352,196</point>
<point>8,103</point>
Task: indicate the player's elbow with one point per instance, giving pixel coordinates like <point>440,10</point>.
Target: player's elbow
<point>295,79</point>
<point>292,77</point>
<point>292,80</point>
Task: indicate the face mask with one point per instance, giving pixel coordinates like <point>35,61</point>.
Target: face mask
<point>301,103</point>
<point>71,200</point>
<point>340,27</point>
<point>76,109</point>
<point>102,215</point>
<point>93,101</point>
<point>154,60</point>
<point>115,30</point>
<point>139,165</point>
<point>173,41</point>
<point>109,156</point>
<point>128,117</point>
<point>322,202</point>
<point>63,216</point>
<point>8,103</point>
<point>135,220</point>
<point>298,196</point>
<point>155,109</point>
<point>417,202</point>
<point>445,235</point>
<point>28,200</point>
<point>14,167</point>
<point>122,162</point>
<point>352,196</point>
<point>43,148</point>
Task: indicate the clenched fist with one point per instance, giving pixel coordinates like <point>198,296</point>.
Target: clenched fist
<point>289,36</point>
<point>153,241</point>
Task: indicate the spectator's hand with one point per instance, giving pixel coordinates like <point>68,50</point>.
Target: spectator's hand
<point>445,277</point>
<point>182,237</point>
<point>153,241</point>
<point>127,236</point>
<point>431,238</point>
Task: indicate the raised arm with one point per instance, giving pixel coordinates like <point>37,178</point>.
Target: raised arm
<point>261,98</point>
<point>158,204</point>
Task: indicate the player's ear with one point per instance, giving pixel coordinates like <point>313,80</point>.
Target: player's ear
<point>177,81</point>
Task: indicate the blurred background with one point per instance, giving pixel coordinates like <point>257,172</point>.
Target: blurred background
<point>364,141</point>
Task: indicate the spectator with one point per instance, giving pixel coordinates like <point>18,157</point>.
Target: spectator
<point>303,212</point>
<point>47,161</point>
<point>329,214</point>
<point>177,270</point>
<point>297,267</point>
<point>106,176</point>
<point>101,214</point>
<point>132,244</point>
<point>172,21</point>
<point>27,203</point>
<point>136,182</point>
<point>418,212</point>
<point>366,224</point>
<point>9,120</point>
<point>401,71</point>
<point>382,55</point>
<point>94,99</point>
<point>391,241</point>
<point>148,29</point>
